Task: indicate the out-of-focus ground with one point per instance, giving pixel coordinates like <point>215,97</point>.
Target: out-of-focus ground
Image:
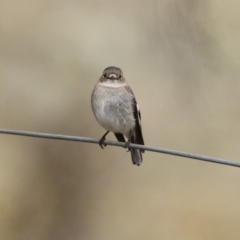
<point>182,60</point>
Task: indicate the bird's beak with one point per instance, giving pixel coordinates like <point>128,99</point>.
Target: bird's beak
<point>113,76</point>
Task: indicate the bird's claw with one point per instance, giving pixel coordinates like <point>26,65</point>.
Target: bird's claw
<point>128,146</point>
<point>101,144</point>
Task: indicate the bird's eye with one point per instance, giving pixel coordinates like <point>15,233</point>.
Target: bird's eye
<point>105,75</point>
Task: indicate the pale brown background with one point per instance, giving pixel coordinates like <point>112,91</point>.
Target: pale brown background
<point>182,60</point>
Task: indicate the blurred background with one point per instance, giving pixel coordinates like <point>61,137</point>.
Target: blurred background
<point>181,58</point>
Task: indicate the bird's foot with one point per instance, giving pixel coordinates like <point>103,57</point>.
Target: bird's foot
<point>128,145</point>
<point>129,141</point>
<point>101,144</point>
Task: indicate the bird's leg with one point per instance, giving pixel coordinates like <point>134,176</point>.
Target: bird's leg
<point>129,141</point>
<point>101,144</point>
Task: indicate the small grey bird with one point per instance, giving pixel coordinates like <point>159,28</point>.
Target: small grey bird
<point>116,110</point>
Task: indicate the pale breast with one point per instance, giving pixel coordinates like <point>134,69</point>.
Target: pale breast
<point>113,108</point>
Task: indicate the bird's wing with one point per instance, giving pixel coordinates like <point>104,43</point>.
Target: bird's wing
<point>138,128</point>
<point>138,138</point>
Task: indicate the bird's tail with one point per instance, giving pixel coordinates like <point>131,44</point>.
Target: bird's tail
<point>137,138</point>
<point>136,156</point>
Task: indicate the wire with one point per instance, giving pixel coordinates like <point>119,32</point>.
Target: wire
<point>119,144</point>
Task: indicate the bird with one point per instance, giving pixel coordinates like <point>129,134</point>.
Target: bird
<point>116,110</point>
